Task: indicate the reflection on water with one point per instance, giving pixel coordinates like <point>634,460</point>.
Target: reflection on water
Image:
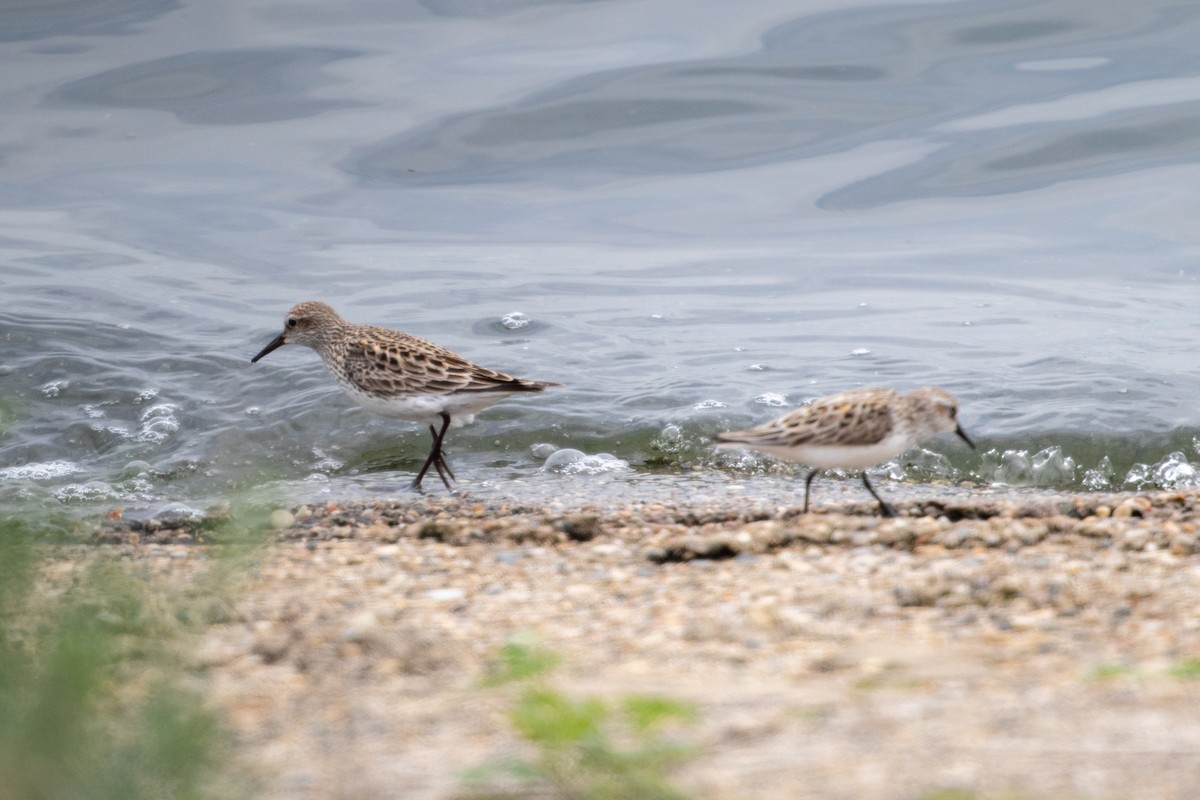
<point>691,215</point>
<point>235,87</point>
<point>42,19</point>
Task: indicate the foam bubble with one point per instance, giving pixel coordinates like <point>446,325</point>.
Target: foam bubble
<point>542,450</point>
<point>773,399</point>
<point>85,492</point>
<point>515,320</point>
<point>157,423</point>
<point>1101,477</point>
<point>41,472</point>
<point>1047,467</point>
<point>575,462</point>
<point>54,388</point>
<point>1173,472</point>
<point>134,469</point>
<point>326,462</point>
<point>178,512</point>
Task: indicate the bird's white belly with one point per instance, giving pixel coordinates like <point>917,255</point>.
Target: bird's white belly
<point>461,407</point>
<point>839,456</point>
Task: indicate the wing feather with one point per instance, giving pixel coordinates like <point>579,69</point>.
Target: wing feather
<point>382,360</point>
<point>841,419</point>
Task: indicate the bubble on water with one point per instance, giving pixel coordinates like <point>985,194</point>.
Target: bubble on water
<point>921,464</point>
<point>87,492</point>
<point>542,450</point>
<point>740,460</point>
<point>1173,472</point>
<point>515,320</point>
<point>772,399</point>
<point>253,411</point>
<point>40,472</point>
<point>118,431</point>
<point>1100,477</point>
<point>326,462</point>
<point>177,512</point>
<point>1047,467</point>
<point>1139,476</point>
<point>670,440</point>
<point>562,458</point>
<point>757,368</point>
<point>146,395</point>
<point>93,411</point>
<point>860,351</point>
<point>135,468</point>
<point>1052,467</point>
<point>54,388</point>
<point>706,404</point>
<point>569,461</point>
<point>157,423</point>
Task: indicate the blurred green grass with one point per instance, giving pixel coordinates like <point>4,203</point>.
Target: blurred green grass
<point>586,748</point>
<point>97,695</point>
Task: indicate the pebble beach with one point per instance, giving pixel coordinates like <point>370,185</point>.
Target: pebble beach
<point>1004,645</point>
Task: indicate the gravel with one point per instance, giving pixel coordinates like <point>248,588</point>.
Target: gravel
<point>1018,646</point>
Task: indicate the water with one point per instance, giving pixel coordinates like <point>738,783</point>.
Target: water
<point>693,214</point>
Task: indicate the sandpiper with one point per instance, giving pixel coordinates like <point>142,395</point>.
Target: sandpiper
<point>854,430</point>
<point>398,375</point>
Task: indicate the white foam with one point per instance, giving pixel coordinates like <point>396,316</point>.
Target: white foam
<point>575,462</point>
<point>157,423</point>
<point>515,320</point>
<point>92,490</point>
<point>54,388</point>
<point>41,472</point>
<point>772,399</point>
<point>1174,471</point>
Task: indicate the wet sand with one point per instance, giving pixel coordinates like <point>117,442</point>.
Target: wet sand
<point>1015,646</point>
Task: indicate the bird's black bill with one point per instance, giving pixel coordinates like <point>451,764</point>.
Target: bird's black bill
<point>277,342</point>
<point>961,433</point>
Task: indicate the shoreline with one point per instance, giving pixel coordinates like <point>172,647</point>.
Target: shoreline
<point>1009,645</point>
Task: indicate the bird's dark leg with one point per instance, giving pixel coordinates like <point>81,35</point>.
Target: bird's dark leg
<point>443,468</point>
<point>885,509</point>
<point>808,483</point>
<point>435,458</point>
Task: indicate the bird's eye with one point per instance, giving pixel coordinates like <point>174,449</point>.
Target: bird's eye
<point>291,323</point>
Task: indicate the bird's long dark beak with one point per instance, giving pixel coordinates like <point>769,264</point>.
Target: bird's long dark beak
<point>958,429</point>
<point>277,342</point>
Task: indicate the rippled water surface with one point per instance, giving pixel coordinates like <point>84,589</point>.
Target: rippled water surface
<point>695,215</point>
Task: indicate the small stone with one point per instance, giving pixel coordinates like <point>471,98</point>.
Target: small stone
<point>282,518</point>
<point>271,643</point>
<point>361,628</point>
<point>579,527</point>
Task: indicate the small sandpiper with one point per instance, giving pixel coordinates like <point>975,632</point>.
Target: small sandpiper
<point>854,430</point>
<point>398,375</point>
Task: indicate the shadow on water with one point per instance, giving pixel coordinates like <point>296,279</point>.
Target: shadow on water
<point>233,87</point>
